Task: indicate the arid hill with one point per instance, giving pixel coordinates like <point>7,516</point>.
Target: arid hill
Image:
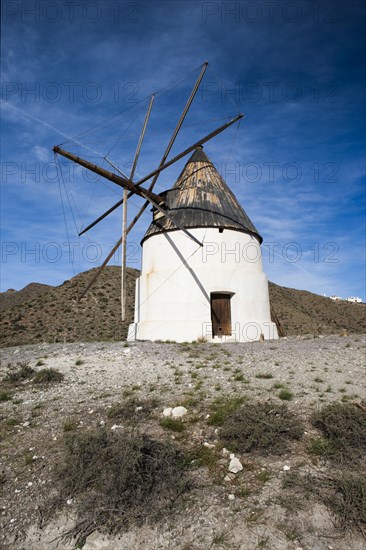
<point>42,313</point>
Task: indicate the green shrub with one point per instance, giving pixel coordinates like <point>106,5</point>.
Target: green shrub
<point>223,407</point>
<point>172,424</point>
<point>285,395</point>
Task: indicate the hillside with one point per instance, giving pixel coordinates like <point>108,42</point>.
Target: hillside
<point>42,313</point>
<point>302,312</point>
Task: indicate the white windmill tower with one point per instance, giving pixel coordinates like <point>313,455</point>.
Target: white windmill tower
<point>217,291</point>
<point>201,270</point>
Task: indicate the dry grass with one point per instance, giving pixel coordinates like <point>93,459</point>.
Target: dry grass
<point>343,426</point>
<point>119,480</point>
<point>19,374</point>
<point>266,427</point>
<point>345,496</point>
<point>46,376</point>
<point>133,409</point>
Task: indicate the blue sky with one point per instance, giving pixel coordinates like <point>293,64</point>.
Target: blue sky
<point>296,162</point>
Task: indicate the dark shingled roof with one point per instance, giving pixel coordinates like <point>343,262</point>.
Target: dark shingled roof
<point>201,198</point>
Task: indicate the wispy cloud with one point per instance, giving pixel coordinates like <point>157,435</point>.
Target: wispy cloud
<point>295,163</point>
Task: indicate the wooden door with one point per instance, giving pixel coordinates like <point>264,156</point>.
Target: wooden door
<point>220,314</point>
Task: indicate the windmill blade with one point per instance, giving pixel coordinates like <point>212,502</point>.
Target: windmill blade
<point>180,121</point>
<point>173,220</point>
<point>165,166</point>
<point>96,275</point>
<point>166,153</point>
<point>172,140</point>
<point>118,180</point>
<point>141,138</point>
<point>125,230</point>
<point>124,211</point>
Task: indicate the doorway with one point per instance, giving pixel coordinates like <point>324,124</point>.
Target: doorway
<point>221,313</point>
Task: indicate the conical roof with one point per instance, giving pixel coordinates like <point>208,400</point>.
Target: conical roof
<point>201,198</point>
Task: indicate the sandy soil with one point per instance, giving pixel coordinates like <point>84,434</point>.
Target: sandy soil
<point>98,375</point>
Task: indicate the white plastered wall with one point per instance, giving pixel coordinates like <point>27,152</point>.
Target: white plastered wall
<point>177,277</point>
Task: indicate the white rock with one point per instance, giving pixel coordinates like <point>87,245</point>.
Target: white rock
<point>235,465</point>
<point>102,423</point>
<point>286,468</point>
<point>229,477</point>
<point>12,520</point>
<point>178,412</point>
<point>138,409</point>
<point>231,497</point>
<point>167,411</point>
<point>126,351</point>
<point>208,445</point>
<point>30,483</point>
<point>225,451</point>
<point>69,501</point>
<point>116,427</point>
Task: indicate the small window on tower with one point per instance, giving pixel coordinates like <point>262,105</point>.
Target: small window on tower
<point>221,230</point>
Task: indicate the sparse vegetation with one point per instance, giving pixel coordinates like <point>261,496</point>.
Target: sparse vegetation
<point>133,408</point>
<point>285,395</point>
<point>222,407</point>
<point>46,376</point>
<point>119,480</point>
<point>345,496</point>
<point>266,427</point>
<point>172,424</point>
<point>343,426</point>
<point>5,395</point>
<point>22,372</point>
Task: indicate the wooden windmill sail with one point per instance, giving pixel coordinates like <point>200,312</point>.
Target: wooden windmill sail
<point>131,187</point>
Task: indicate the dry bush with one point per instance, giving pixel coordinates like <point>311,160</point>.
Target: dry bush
<point>344,429</point>
<point>119,480</point>
<point>133,409</point>
<point>345,496</point>
<point>48,375</point>
<point>343,493</point>
<point>22,372</point>
<point>267,427</point>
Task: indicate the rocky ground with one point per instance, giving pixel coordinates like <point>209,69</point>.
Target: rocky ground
<point>250,509</point>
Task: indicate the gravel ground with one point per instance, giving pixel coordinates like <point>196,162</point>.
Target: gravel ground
<point>98,375</point>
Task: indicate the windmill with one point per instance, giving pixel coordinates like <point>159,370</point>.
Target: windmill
<point>168,217</point>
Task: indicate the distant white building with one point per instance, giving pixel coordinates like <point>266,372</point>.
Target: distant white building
<point>354,299</point>
<point>335,298</point>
